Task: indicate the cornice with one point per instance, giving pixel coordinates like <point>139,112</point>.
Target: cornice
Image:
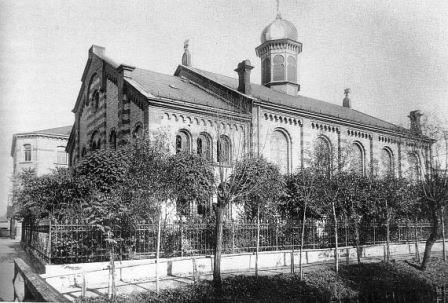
<point>337,120</point>
<point>281,44</point>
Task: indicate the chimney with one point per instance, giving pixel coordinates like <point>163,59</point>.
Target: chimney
<point>243,71</point>
<point>416,127</point>
<point>186,57</point>
<point>347,102</point>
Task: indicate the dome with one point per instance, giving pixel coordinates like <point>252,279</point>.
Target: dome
<point>279,29</point>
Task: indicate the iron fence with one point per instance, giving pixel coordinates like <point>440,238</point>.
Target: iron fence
<point>76,241</point>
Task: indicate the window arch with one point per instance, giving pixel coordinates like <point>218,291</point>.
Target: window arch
<point>204,146</point>
<point>95,143</point>
<point>223,150</point>
<point>95,100</point>
<point>113,139</point>
<point>358,157</point>
<point>414,166</point>
<point>279,153</point>
<point>279,68</point>
<point>27,152</point>
<point>93,91</point>
<point>266,70</point>
<point>322,154</point>
<point>183,141</point>
<point>61,155</point>
<point>387,162</point>
<point>292,69</point>
<point>138,131</point>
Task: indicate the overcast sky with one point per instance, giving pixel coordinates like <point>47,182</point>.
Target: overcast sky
<point>392,54</point>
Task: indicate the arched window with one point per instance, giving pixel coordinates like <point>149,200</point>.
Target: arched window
<point>95,100</point>
<point>182,142</point>
<point>292,69</point>
<point>279,153</point>
<point>138,131</point>
<point>204,146</point>
<point>223,150</point>
<point>84,151</point>
<point>387,162</point>
<point>414,166</point>
<point>113,139</point>
<point>279,68</point>
<point>27,152</point>
<point>61,155</point>
<point>95,143</point>
<point>266,63</point>
<point>93,91</point>
<point>322,155</point>
<point>357,162</point>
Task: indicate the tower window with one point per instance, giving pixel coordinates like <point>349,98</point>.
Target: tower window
<point>266,70</point>
<point>27,152</point>
<point>292,69</point>
<point>279,68</point>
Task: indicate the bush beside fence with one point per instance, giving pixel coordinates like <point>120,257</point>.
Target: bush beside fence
<point>77,242</point>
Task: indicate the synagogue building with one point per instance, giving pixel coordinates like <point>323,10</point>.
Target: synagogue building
<point>223,118</point>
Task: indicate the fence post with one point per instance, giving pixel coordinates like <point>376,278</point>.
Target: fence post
<point>374,229</point>
<point>276,235</point>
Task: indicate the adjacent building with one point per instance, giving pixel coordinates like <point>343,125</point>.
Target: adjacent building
<point>222,118</point>
<point>40,150</point>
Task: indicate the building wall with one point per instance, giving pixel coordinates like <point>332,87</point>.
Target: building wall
<point>259,132</point>
<point>44,153</point>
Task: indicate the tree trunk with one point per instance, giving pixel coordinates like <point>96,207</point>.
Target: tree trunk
<point>336,255</point>
<point>387,240</point>
<point>218,247</point>
<point>442,220</point>
<point>302,236</point>
<point>431,240</point>
<point>159,227</point>
<point>417,251</point>
<point>292,252</point>
<point>357,240</point>
<point>258,241</point>
<point>112,290</point>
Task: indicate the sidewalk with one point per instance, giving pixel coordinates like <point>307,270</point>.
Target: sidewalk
<point>9,249</point>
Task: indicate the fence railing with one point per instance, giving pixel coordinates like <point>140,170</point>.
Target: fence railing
<point>75,242</point>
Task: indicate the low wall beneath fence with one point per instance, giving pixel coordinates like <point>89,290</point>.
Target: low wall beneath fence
<point>30,287</point>
<point>140,270</point>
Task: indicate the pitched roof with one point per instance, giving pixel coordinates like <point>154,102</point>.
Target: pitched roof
<point>167,86</point>
<point>162,85</point>
<point>57,131</point>
<point>63,131</point>
<point>303,103</point>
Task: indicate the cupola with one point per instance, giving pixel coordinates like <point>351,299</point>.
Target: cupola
<point>279,52</point>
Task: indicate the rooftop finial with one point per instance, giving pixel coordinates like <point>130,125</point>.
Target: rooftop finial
<point>278,10</point>
<point>186,57</point>
<point>347,102</point>
<point>347,92</point>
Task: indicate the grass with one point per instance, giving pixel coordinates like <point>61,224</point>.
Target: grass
<point>373,281</point>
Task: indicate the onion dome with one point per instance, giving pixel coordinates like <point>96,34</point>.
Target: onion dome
<point>279,29</point>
